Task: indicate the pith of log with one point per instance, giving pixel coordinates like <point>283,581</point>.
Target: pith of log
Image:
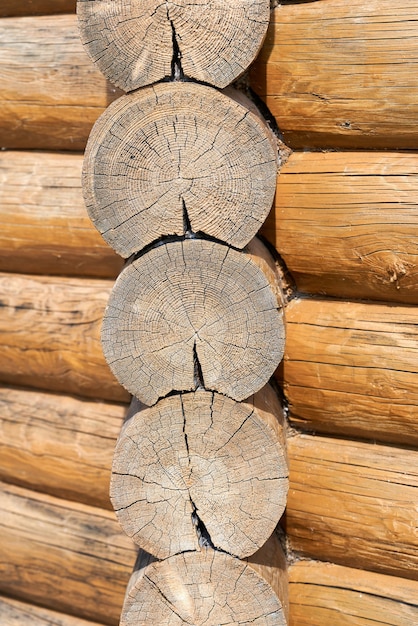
<point>194,313</point>
<point>353,503</point>
<point>143,41</point>
<point>177,157</point>
<point>208,587</point>
<point>45,227</point>
<point>350,368</point>
<point>68,557</point>
<point>323,594</point>
<point>201,468</point>
<point>342,75</point>
<point>11,8</point>
<point>58,444</point>
<point>50,334</point>
<point>346,224</point>
<point>22,614</point>
<point>51,93</point>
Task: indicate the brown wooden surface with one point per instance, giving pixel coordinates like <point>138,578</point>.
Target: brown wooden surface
<point>58,444</point>
<point>16,613</point>
<point>51,94</point>
<point>9,8</point>
<point>44,224</point>
<point>346,224</point>
<point>323,594</point>
<point>354,503</point>
<point>66,556</point>
<point>49,330</point>
<point>351,367</point>
<point>342,74</point>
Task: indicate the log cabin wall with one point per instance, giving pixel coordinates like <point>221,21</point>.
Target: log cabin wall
<point>344,223</point>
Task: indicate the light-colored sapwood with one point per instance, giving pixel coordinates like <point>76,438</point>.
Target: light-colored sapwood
<point>324,594</point>
<point>50,335</point>
<point>346,224</point>
<point>58,444</point>
<point>200,467</point>
<point>9,8</point>
<point>44,225</point>
<point>350,368</point>
<point>354,503</point>
<point>209,588</point>
<point>15,613</point>
<point>66,556</point>
<point>179,156</point>
<point>340,74</point>
<point>134,43</point>
<point>51,94</point>
<point>194,313</point>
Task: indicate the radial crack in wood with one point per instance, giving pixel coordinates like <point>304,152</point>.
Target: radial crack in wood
<point>193,297</point>
<point>200,466</point>
<point>135,43</point>
<point>172,157</point>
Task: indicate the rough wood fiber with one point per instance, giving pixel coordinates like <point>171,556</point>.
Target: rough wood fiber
<point>134,43</point>
<point>58,444</point>
<point>201,460</point>
<point>51,94</point>
<point>174,157</point>
<point>190,310</point>
<point>208,588</point>
<point>15,613</point>
<point>323,594</point>
<point>45,228</point>
<point>50,335</point>
<point>66,556</point>
<point>10,8</point>
<point>350,368</point>
<point>346,224</point>
<point>354,504</point>
<point>340,74</point>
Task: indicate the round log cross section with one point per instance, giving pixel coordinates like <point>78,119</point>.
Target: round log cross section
<point>193,313</point>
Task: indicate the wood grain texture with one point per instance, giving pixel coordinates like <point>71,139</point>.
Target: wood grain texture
<point>49,330</point>
<point>346,224</point>
<point>354,504</point>
<point>11,8</point>
<point>350,368</point>
<point>66,556</point>
<point>342,75</point>
<point>58,444</point>
<point>134,43</point>
<point>51,93</point>
<point>15,613</point>
<point>45,226</point>
<point>175,157</point>
<point>324,594</point>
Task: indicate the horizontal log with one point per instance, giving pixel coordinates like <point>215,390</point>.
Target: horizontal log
<point>51,93</point>
<point>63,555</point>
<point>23,614</point>
<point>58,444</point>
<point>346,224</point>
<point>50,339</point>
<point>45,227</point>
<point>342,75</point>
<point>354,504</point>
<point>10,8</point>
<point>324,594</point>
<point>350,368</point>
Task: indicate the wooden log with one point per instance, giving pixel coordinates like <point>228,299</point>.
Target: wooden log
<point>346,224</point>
<point>350,368</point>
<point>22,614</point>
<point>353,503</point>
<point>73,438</point>
<point>324,594</point>
<point>51,94</point>
<point>69,557</point>
<point>45,227</point>
<point>208,587</point>
<point>201,468</point>
<point>194,313</point>
<point>342,75</point>
<point>177,157</point>
<point>10,8</point>
<point>50,329</point>
<point>140,43</point>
